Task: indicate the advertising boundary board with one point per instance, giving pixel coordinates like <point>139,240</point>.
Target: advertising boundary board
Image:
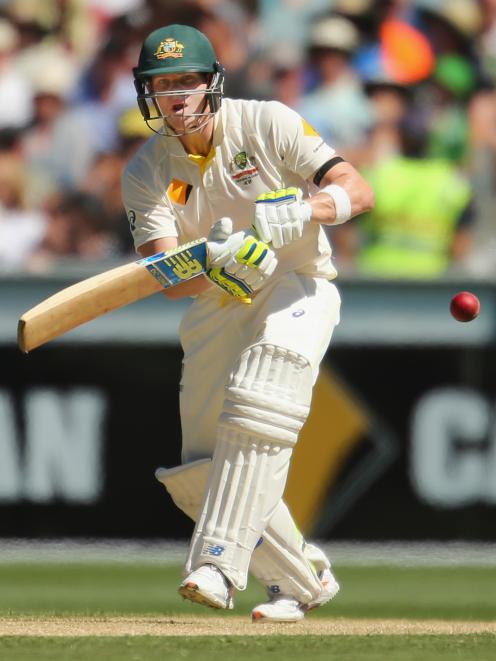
<point>83,428</point>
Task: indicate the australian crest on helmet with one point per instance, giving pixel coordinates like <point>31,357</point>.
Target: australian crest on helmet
<point>170,47</point>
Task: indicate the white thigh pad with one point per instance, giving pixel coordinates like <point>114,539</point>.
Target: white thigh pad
<point>267,402</point>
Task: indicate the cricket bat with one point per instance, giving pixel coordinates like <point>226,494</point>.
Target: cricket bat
<point>113,289</point>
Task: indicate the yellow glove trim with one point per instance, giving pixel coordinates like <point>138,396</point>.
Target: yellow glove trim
<point>228,285</point>
<point>280,195</point>
<point>251,252</point>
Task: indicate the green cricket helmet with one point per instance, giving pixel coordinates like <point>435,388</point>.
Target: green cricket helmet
<point>178,49</point>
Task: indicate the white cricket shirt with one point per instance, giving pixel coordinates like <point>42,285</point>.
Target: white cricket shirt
<point>258,146</point>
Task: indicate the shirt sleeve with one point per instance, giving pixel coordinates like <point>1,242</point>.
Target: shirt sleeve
<point>297,145</point>
<point>148,212</point>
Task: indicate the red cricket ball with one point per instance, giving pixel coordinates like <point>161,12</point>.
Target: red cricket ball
<point>464,306</point>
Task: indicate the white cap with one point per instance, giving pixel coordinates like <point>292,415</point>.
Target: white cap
<point>335,32</point>
<point>51,71</point>
<point>464,15</point>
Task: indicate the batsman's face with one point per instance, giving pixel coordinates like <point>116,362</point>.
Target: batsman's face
<point>180,96</point>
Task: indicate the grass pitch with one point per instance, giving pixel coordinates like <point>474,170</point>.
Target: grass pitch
<point>84,611</point>
<point>451,593</point>
<point>276,648</point>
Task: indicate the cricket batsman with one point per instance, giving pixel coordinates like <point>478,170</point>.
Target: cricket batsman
<point>258,181</point>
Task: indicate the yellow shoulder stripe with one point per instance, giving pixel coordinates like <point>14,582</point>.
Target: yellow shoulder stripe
<point>309,130</point>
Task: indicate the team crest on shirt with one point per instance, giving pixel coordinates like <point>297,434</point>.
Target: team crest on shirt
<point>241,160</point>
<point>243,168</point>
<point>169,48</point>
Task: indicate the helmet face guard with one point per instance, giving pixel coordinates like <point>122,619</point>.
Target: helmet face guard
<point>151,111</point>
<point>178,49</point>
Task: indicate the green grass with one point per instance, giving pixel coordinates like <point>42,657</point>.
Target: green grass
<point>297,648</point>
<point>450,593</point>
<point>107,589</point>
<point>455,593</point>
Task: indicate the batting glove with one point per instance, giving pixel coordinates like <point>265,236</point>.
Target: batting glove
<point>239,263</point>
<point>280,216</point>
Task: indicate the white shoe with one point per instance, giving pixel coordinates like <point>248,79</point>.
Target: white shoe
<point>279,609</point>
<point>282,608</point>
<point>208,586</point>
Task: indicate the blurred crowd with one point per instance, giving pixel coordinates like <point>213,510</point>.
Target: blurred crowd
<point>403,89</point>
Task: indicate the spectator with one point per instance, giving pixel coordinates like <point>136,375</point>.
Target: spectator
<point>421,224</point>
<point>228,27</point>
<point>77,227</point>
<point>64,79</point>
<point>391,102</point>
<point>288,22</point>
<point>451,25</point>
<point>481,163</point>
<point>15,92</point>
<point>104,177</point>
<point>449,89</point>
<point>89,126</point>
<point>21,228</point>
<point>51,84</point>
<point>288,77</point>
<point>338,108</point>
<point>133,131</point>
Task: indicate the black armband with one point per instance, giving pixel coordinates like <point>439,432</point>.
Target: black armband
<point>317,177</point>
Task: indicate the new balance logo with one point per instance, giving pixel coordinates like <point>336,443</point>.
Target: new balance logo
<point>184,266</point>
<point>216,550</point>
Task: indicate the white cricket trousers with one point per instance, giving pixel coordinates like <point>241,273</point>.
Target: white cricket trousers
<point>296,312</point>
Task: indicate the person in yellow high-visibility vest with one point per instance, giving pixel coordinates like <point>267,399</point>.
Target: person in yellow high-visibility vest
<point>420,225</point>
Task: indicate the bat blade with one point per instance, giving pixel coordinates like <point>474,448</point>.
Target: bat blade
<point>113,289</point>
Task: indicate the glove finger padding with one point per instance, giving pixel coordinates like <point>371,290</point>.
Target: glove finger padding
<point>268,264</point>
<point>254,277</point>
<point>276,219</point>
<point>257,262</point>
<point>294,214</point>
<point>280,216</point>
<point>261,224</point>
<point>285,233</point>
